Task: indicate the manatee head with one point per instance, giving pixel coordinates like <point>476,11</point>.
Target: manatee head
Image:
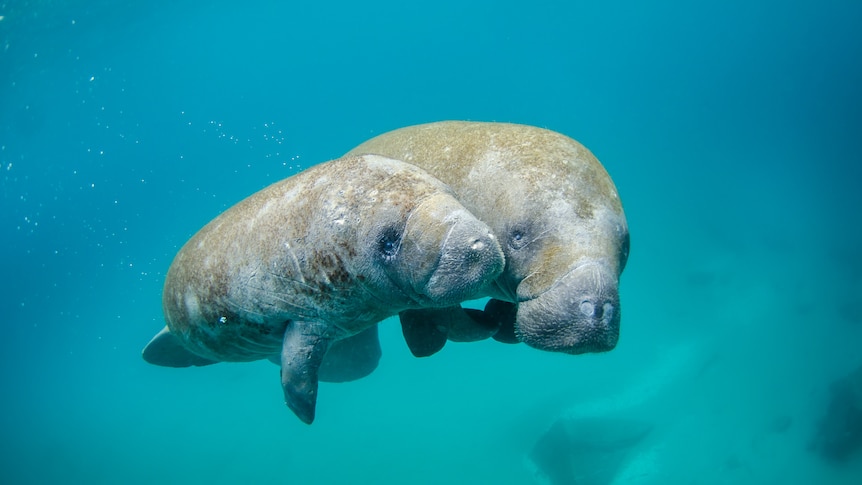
<point>563,273</point>
<point>423,248</point>
<point>565,238</point>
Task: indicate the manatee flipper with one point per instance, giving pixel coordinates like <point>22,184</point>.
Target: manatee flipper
<point>427,330</point>
<point>305,345</point>
<point>348,359</point>
<point>471,325</point>
<point>503,314</point>
<point>167,350</point>
<point>351,358</point>
<point>424,331</point>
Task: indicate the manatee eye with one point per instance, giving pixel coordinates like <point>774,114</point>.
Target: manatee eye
<point>388,243</point>
<point>517,238</point>
<point>624,251</point>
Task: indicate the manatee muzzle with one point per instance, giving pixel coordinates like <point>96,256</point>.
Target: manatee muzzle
<point>447,255</point>
<point>580,313</point>
<point>470,259</point>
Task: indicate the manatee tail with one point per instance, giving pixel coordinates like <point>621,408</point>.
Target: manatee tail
<point>167,350</point>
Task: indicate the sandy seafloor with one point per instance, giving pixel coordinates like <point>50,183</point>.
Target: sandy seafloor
<point>732,130</point>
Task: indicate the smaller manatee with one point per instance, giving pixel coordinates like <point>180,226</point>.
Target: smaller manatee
<point>316,261</point>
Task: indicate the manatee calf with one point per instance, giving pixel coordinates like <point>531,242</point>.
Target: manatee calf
<point>558,218</point>
<point>317,260</point>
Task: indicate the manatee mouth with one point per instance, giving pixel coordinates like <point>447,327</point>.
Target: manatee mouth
<point>579,314</point>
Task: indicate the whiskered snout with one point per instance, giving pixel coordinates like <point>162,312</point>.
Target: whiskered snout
<point>580,314</point>
<point>448,255</point>
<point>470,259</point>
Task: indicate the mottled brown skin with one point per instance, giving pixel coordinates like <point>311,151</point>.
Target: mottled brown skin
<point>318,258</point>
<point>556,213</point>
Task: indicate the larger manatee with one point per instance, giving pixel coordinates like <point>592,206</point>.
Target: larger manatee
<point>558,217</point>
<point>317,260</point>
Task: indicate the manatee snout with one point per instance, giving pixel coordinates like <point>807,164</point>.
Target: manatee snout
<point>449,253</point>
<point>579,314</point>
<point>470,259</point>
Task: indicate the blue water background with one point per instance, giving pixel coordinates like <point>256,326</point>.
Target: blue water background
<point>733,130</point>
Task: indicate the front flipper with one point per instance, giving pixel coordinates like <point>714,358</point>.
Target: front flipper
<point>471,325</point>
<point>166,349</point>
<point>351,358</point>
<point>305,344</point>
<point>425,330</point>
<point>503,314</point>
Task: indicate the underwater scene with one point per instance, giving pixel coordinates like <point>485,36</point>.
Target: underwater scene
<point>713,336</point>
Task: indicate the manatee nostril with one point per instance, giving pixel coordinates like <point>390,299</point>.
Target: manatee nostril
<point>587,308</point>
<point>478,245</point>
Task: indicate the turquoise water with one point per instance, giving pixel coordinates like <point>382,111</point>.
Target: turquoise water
<point>732,130</point>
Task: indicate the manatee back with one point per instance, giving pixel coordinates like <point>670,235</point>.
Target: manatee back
<point>469,156</point>
<point>509,174</point>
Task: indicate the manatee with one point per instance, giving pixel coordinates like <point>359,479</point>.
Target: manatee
<point>838,436</point>
<point>558,218</point>
<point>316,260</point>
<point>586,451</point>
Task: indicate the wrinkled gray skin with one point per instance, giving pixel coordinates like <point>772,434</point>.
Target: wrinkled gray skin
<point>316,260</point>
<point>558,218</point>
